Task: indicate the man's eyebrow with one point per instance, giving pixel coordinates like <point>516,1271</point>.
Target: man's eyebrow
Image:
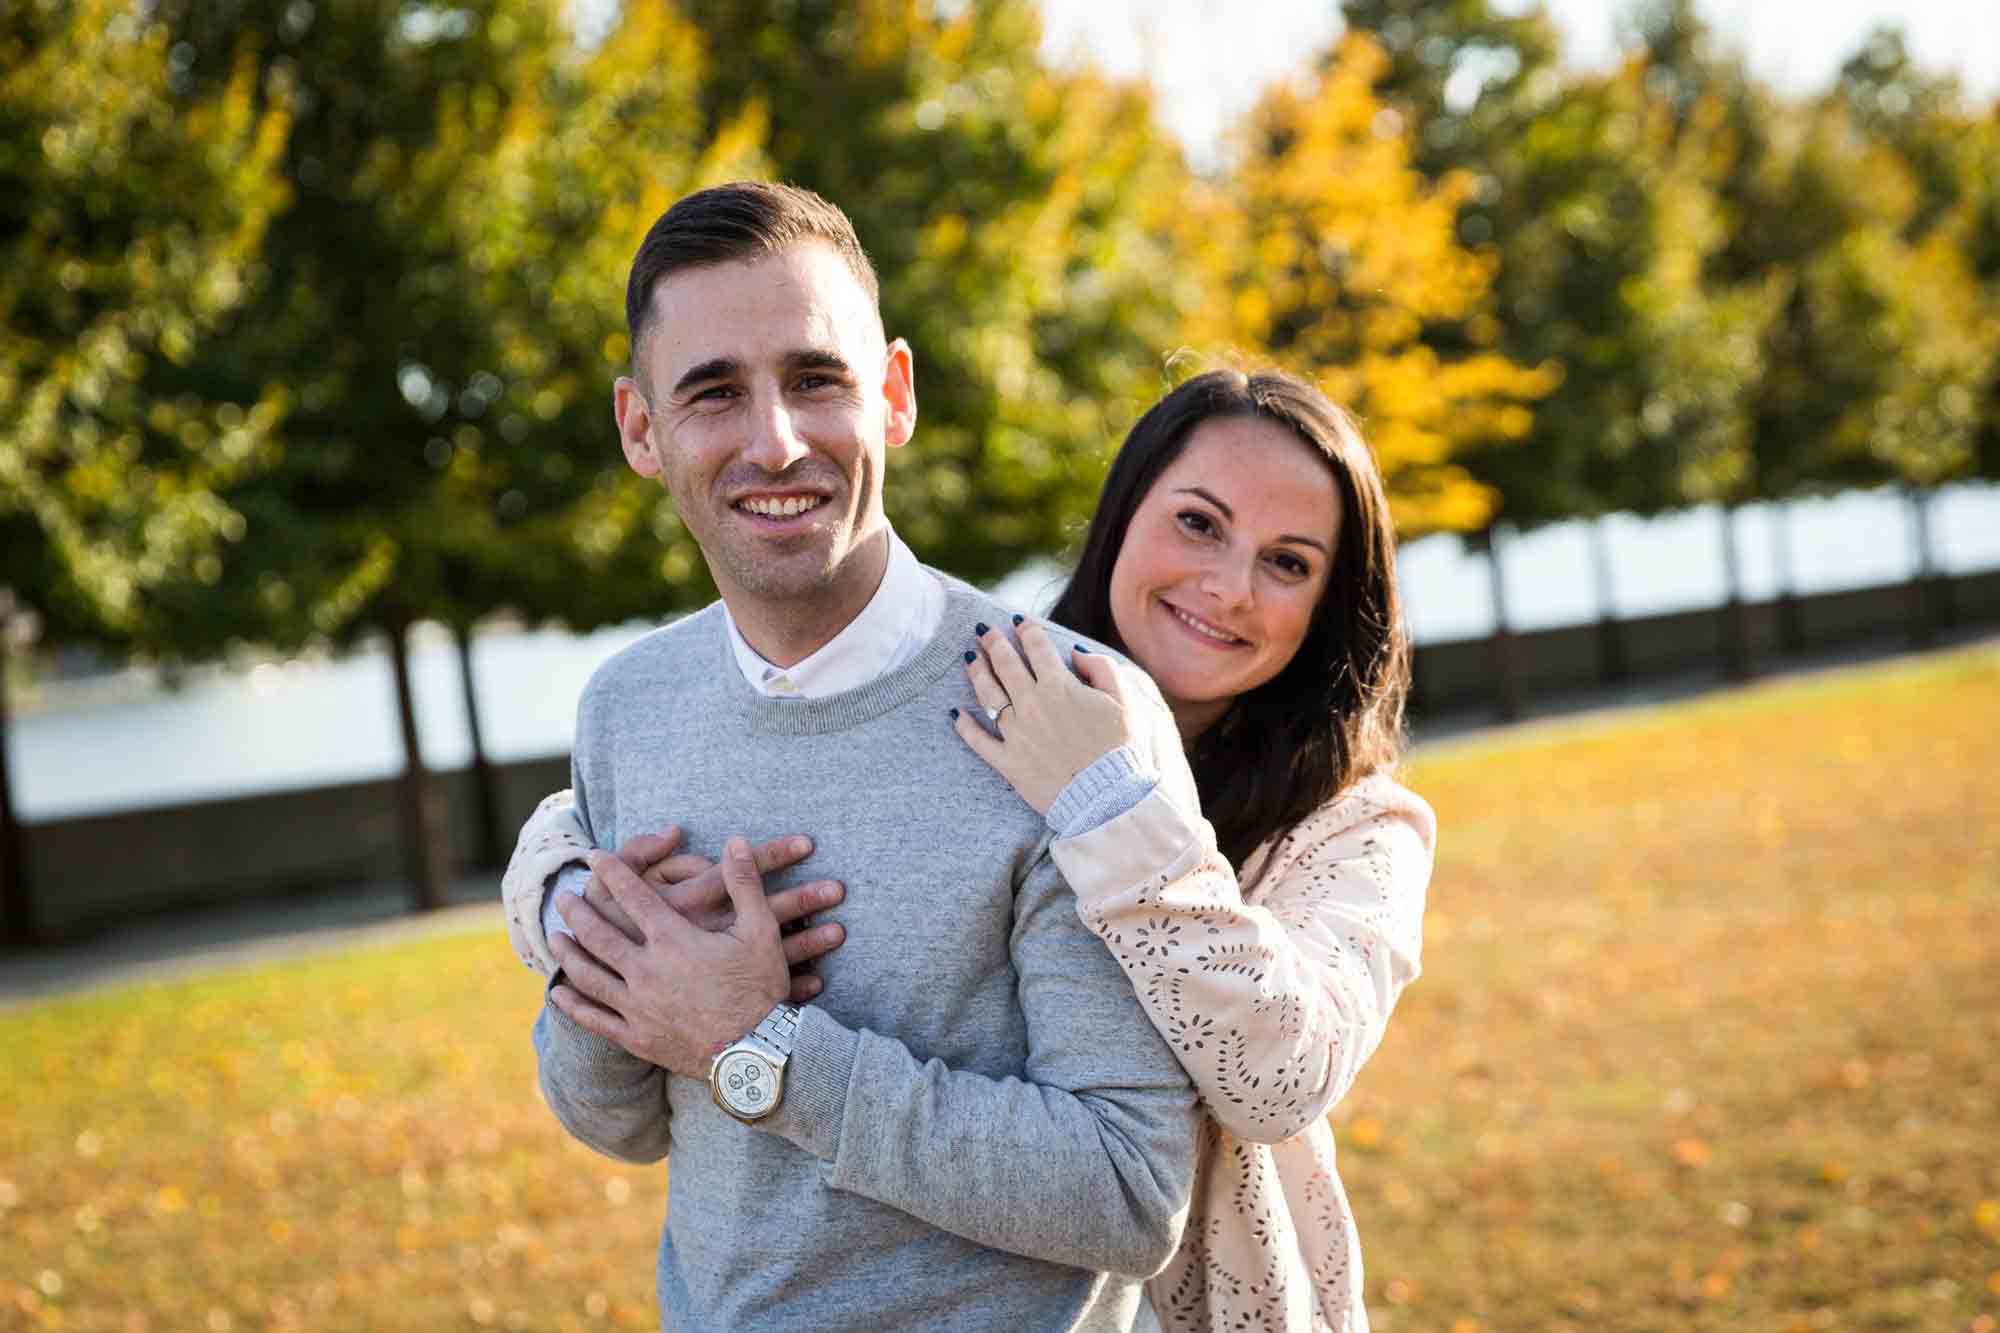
<point>728,367</point>
<point>815,359</point>
<point>1230,514</point>
<point>716,368</point>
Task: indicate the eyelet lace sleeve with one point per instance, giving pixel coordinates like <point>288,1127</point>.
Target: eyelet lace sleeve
<point>1273,1005</point>
<point>1273,1000</point>
<point>552,838</point>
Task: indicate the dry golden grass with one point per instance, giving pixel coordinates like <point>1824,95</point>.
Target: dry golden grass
<point>1707,1040</point>
<point>1710,1031</point>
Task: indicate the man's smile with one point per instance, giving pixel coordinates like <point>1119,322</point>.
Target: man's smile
<point>779,506</point>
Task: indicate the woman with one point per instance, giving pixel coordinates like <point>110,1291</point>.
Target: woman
<point>1243,555</point>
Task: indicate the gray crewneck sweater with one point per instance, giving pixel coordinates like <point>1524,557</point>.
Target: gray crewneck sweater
<point>981,1128</point>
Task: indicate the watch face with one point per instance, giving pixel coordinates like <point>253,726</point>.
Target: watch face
<point>746,1083</point>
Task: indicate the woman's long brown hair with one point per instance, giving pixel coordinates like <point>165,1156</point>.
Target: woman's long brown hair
<point>1334,714</point>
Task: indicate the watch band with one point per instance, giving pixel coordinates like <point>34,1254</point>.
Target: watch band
<point>780,1028</point>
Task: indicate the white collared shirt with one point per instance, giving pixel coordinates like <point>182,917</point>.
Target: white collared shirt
<point>891,630</point>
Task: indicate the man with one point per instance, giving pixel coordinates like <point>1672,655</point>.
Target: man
<point>974,1126</point>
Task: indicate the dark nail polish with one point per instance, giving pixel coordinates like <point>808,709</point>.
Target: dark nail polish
<point>980,629</point>
<point>1082,651</point>
<point>1017,620</point>
<point>971,656</point>
<point>954,715</point>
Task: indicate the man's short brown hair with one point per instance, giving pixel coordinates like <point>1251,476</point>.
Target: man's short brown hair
<point>732,223</point>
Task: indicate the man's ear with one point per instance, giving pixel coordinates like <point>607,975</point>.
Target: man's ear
<point>899,390</point>
<point>635,426</point>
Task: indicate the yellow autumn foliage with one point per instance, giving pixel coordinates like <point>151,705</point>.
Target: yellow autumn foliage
<point>1328,253</point>
<point>136,235</point>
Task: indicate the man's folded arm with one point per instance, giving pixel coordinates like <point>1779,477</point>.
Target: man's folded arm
<point>1088,1160</point>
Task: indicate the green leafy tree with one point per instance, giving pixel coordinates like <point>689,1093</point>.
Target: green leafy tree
<point>1719,288</point>
<point>1468,78</point>
<point>557,527</point>
<point>536,512</point>
<point>1562,197</point>
<point>1980,163</point>
<point>131,220</point>
<point>1921,115</point>
<point>1937,268</point>
<point>1881,339</point>
<point>1815,320</point>
<point>436,362</point>
<point>131,213</point>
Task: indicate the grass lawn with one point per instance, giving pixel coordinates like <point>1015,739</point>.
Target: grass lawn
<point>1708,1038</point>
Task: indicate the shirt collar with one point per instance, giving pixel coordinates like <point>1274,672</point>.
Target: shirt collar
<point>902,615</point>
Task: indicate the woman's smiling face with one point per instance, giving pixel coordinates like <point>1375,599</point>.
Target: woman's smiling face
<point>1224,563</point>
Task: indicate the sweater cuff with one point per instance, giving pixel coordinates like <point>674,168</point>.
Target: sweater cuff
<point>572,878</point>
<point>816,1079</point>
<point>1154,842</point>
<point>1114,782</point>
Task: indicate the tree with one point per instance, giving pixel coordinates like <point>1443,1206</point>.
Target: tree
<point>1468,80</point>
<point>130,217</point>
<point>417,411</point>
<point>1611,201</point>
<point>558,527</point>
<point>1919,115</point>
<point>1338,257</point>
<point>1561,198</point>
<point>1980,163</point>
<point>1925,428</point>
<point>544,519</point>
<point>1936,257</point>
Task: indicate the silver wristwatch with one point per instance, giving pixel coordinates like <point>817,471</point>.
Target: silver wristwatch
<point>748,1079</point>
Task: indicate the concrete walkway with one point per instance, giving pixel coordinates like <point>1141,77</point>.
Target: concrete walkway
<point>249,933</point>
<point>243,933</point>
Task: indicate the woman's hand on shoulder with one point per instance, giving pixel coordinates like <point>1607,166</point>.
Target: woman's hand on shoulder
<point>1043,722</point>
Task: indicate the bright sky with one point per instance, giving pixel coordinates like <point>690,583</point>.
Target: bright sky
<point>1209,62</point>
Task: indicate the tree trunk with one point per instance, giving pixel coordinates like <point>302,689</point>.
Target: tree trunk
<point>488,854</point>
<point>1923,613</point>
<point>1506,657</point>
<point>1613,663</point>
<point>426,861</point>
<point>17,908</point>
<point>1791,616</point>
<point>1736,662</point>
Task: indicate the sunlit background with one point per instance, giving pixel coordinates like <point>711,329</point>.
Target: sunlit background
<point>89,738</point>
<point>1676,328</point>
